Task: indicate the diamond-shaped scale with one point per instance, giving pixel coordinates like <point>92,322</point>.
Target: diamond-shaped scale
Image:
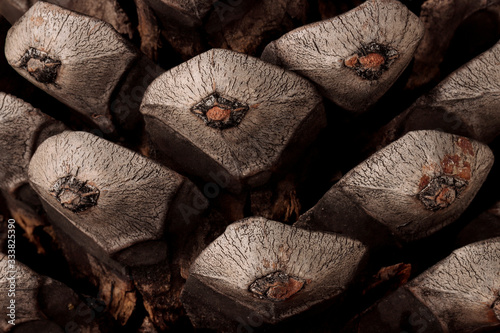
<point>354,58</point>
<point>232,119</point>
<point>269,269</point>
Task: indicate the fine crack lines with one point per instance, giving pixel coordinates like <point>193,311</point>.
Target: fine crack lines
<point>405,29</point>
<point>3,100</point>
<point>222,249</point>
<point>316,47</point>
<point>340,40</point>
<point>461,278</point>
<point>142,175</point>
<point>60,29</point>
<point>96,29</point>
<point>234,161</point>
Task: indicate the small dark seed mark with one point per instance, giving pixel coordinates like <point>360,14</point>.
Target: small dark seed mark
<point>39,65</point>
<point>74,194</point>
<point>372,60</point>
<point>276,286</point>
<point>441,192</point>
<point>219,112</point>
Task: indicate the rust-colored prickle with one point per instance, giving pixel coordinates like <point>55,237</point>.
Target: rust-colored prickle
<point>219,112</point>
<point>372,60</point>
<point>352,61</point>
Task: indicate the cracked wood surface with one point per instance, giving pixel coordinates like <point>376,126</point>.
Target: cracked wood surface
<point>282,118</point>
<point>441,19</point>
<point>136,195</point>
<point>467,102</point>
<point>120,240</point>
<point>92,58</point>
<point>255,247</point>
<point>463,290</point>
<point>320,51</point>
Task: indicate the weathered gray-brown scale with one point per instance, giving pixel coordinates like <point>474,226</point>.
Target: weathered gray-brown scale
<point>464,103</point>
<point>83,62</point>
<point>354,58</point>
<point>112,210</point>
<point>240,118</point>
<point>23,128</point>
<point>271,270</point>
<point>413,187</point>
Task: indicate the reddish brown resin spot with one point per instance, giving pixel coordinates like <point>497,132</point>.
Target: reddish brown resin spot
<point>454,165</point>
<point>372,60</point>
<point>424,181</point>
<point>282,291</point>
<point>218,114</point>
<point>352,62</point>
<point>441,192</point>
<point>465,145</point>
<point>277,286</point>
<point>397,275</point>
<point>445,197</point>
